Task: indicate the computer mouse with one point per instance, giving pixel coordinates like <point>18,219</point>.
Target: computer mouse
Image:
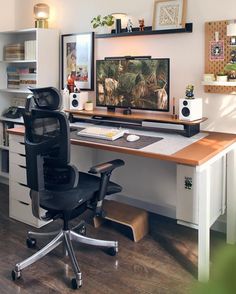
<point>132,138</point>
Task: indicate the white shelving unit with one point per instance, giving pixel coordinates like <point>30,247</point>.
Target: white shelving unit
<point>46,65</point>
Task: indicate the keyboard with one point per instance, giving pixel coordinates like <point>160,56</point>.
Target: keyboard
<point>102,133</point>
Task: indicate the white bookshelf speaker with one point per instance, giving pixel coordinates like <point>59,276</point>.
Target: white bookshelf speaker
<point>190,109</point>
<point>77,100</point>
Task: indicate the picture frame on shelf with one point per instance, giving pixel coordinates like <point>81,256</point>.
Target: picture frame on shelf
<point>169,14</point>
<point>77,60</point>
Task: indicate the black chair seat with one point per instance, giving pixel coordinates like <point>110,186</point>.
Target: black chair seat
<point>86,189</point>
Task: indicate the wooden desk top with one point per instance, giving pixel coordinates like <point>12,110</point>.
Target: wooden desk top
<point>195,154</point>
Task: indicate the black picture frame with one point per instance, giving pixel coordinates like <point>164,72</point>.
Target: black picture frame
<point>77,59</point>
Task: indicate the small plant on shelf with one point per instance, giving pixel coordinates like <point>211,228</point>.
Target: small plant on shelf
<point>102,22</point>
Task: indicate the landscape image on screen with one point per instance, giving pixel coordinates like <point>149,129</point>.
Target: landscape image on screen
<point>135,83</point>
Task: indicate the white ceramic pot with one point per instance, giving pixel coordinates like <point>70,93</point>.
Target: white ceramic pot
<point>221,78</point>
<point>88,106</point>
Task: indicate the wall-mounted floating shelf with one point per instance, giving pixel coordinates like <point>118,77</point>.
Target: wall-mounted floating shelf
<point>148,31</point>
<point>215,83</point>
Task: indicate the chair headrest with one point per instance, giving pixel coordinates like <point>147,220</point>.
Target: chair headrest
<point>47,98</point>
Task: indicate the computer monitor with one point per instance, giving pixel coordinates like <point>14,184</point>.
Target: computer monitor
<point>136,83</point>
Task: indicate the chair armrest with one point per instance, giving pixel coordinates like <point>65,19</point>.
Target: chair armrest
<point>106,167</point>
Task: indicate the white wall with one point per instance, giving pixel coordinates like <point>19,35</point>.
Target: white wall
<point>7,15</point>
<point>186,53</point>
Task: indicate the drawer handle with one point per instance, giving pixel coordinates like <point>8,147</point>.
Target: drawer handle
<point>22,155</point>
<point>24,203</point>
<point>23,185</point>
<point>22,166</point>
<point>22,143</point>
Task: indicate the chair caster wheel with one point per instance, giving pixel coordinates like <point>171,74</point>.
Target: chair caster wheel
<point>74,284</point>
<point>15,275</point>
<point>112,251</point>
<point>31,242</point>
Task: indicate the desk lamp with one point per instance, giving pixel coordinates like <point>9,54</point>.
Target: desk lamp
<point>41,14</point>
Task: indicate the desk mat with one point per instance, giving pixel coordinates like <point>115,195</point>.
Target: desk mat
<point>121,142</point>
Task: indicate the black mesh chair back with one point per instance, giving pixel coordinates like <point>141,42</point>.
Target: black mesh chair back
<point>46,137</point>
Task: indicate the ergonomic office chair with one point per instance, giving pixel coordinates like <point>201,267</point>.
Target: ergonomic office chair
<point>56,186</point>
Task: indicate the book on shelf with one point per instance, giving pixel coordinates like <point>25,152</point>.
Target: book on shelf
<point>30,50</point>
<point>14,52</point>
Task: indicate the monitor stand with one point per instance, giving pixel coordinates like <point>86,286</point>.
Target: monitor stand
<point>127,111</point>
<point>111,108</point>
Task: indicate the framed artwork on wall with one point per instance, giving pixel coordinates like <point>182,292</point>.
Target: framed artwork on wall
<point>169,14</point>
<point>78,60</point>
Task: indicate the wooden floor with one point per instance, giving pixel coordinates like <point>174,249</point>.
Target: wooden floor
<point>163,262</point>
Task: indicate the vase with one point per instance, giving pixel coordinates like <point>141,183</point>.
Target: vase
<point>103,30</point>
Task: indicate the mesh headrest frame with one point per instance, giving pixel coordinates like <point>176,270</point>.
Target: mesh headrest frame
<point>47,98</point>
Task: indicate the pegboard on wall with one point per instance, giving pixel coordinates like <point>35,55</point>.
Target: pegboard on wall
<point>214,66</point>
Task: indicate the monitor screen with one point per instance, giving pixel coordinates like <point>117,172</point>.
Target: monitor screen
<point>135,83</point>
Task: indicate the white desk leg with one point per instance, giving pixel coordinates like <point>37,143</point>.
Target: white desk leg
<point>203,190</point>
<point>231,197</point>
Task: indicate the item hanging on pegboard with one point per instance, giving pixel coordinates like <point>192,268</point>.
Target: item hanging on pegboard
<point>217,49</point>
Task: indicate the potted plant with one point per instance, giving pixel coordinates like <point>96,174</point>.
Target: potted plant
<point>230,68</point>
<point>88,105</point>
<point>103,24</point>
<point>221,77</point>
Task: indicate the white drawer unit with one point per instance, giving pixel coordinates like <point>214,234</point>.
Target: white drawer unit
<point>16,144</point>
<point>20,202</point>
<point>17,173</point>
<point>19,191</point>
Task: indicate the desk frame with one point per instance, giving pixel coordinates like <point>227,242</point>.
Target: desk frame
<point>213,147</point>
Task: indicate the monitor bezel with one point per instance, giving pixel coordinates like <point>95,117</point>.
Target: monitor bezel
<point>134,108</point>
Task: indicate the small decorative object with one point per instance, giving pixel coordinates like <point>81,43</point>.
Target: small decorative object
<point>232,76</point>
<point>209,77</point>
<point>129,26</point>
<point>217,48</point>
<point>70,83</point>
<point>174,115</point>
<point>221,77</point>
<point>66,98</point>
<point>88,106</point>
<point>189,92</point>
<point>169,14</point>
<point>122,16</point>
<point>103,23</point>
<point>141,24</point>
<point>118,26</point>
<point>41,15</point>
<point>77,60</point>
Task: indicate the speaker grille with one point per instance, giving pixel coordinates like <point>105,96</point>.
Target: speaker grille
<point>185,111</point>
